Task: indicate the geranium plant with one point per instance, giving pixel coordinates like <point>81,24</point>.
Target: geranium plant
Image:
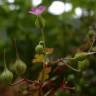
<point>45,85</point>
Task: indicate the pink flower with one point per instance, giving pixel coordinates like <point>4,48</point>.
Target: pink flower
<point>37,11</point>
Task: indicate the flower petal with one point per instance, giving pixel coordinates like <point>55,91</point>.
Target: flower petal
<point>37,11</point>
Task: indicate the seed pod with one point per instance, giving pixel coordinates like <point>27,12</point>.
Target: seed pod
<point>6,76</point>
<point>19,67</point>
<point>80,56</point>
<point>83,64</point>
<point>39,48</point>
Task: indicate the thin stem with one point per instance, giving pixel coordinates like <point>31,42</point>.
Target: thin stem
<point>62,60</point>
<point>91,53</point>
<point>69,88</point>
<point>43,38</point>
<point>49,92</point>
<point>43,70</point>
<point>72,68</point>
<point>4,60</point>
<point>20,81</point>
<point>42,31</point>
<point>17,54</point>
<point>36,21</point>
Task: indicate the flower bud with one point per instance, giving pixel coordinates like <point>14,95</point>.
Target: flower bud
<point>41,43</point>
<point>19,67</point>
<point>6,76</point>
<point>39,48</point>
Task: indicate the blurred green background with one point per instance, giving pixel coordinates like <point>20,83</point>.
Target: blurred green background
<point>64,32</point>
